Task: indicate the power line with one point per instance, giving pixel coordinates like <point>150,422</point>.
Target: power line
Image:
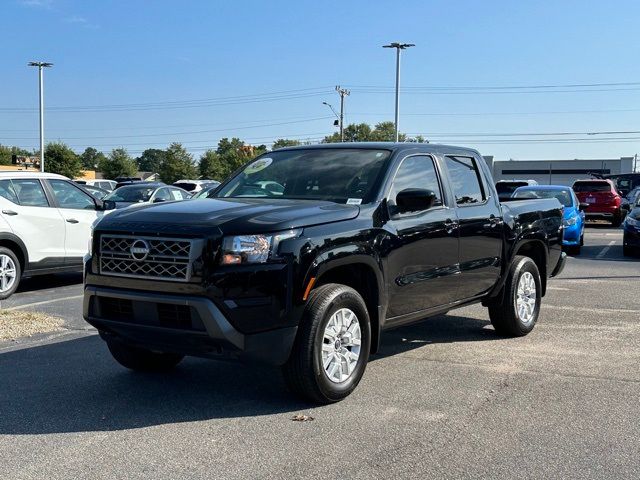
<point>178,104</point>
<point>169,134</point>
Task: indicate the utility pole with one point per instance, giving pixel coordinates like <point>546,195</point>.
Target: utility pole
<point>343,93</point>
<point>398,46</point>
<point>40,66</point>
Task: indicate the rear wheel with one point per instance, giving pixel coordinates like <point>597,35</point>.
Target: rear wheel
<point>517,312</point>
<point>332,347</point>
<point>141,359</point>
<point>9,273</point>
<point>627,251</point>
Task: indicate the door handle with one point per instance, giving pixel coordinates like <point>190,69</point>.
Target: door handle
<point>493,221</point>
<point>9,212</point>
<point>72,220</point>
<point>450,225</point>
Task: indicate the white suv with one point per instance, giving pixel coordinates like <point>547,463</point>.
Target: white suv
<point>45,226</point>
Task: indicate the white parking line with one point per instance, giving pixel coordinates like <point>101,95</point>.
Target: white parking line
<point>604,251</point>
<point>587,309</point>
<point>35,304</point>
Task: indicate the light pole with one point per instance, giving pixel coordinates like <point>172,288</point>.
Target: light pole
<point>40,66</point>
<point>398,46</point>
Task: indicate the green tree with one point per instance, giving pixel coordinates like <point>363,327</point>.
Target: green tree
<point>90,158</point>
<point>210,166</point>
<point>285,142</point>
<point>151,159</point>
<point>118,164</point>
<point>386,132</point>
<point>362,132</point>
<point>177,165</point>
<point>234,154</point>
<point>59,158</point>
<point>7,152</point>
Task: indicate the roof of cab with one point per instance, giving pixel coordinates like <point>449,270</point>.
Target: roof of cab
<point>393,146</point>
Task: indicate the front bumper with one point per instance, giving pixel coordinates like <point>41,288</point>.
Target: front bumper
<point>184,324</point>
<point>572,234</point>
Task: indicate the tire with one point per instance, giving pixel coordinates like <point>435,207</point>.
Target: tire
<point>574,249</point>
<point>627,251</point>
<point>582,239</point>
<point>10,273</point>
<point>504,315</point>
<point>305,372</point>
<point>141,359</point>
<point>617,220</point>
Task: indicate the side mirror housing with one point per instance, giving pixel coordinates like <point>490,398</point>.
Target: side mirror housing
<point>158,200</point>
<point>583,206</point>
<point>414,200</point>
<point>106,205</point>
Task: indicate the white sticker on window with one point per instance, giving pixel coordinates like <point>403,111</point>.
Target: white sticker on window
<point>354,201</point>
<point>258,165</point>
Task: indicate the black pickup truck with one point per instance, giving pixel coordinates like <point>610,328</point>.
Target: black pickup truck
<point>303,257</point>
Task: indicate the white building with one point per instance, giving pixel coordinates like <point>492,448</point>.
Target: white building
<point>556,172</point>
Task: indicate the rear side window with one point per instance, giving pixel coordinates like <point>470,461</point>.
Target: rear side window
<point>580,187</point>
<point>30,193</point>
<point>465,180</point>
<point>7,191</point>
<point>416,172</point>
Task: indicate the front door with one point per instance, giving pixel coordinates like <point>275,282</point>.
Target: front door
<point>423,254</point>
<point>480,228</point>
<point>26,209</point>
<point>79,211</point>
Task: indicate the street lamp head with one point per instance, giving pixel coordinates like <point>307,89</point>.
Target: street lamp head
<point>40,64</point>
<point>401,46</point>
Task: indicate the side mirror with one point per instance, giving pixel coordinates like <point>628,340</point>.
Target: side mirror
<point>414,200</point>
<point>106,205</point>
<point>158,200</point>
<point>583,206</point>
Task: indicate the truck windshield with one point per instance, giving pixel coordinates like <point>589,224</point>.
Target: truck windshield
<point>344,175</point>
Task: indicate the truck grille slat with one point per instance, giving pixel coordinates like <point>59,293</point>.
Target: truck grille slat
<point>146,257</point>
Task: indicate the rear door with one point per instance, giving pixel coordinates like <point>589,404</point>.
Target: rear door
<point>79,211</point>
<point>480,225</point>
<point>25,207</point>
<point>423,255</point>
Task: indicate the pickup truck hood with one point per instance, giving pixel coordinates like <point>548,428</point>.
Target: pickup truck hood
<point>229,215</point>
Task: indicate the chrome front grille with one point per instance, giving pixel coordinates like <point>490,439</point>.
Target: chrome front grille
<point>146,257</point>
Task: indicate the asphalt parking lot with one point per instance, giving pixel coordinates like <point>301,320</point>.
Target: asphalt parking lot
<point>443,399</point>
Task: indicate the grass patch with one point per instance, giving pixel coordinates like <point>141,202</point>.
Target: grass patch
<point>15,324</point>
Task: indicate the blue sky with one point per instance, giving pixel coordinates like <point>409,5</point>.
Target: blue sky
<point>222,62</point>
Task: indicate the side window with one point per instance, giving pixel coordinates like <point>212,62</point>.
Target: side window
<point>416,172</point>
<point>30,193</point>
<point>465,180</point>
<point>163,194</point>
<point>176,194</point>
<point>69,196</point>
<point>7,191</point>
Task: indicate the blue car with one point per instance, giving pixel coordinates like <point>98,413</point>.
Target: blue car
<point>573,219</point>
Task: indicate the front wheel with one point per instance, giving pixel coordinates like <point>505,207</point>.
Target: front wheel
<point>9,273</point>
<point>332,347</point>
<point>141,359</point>
<point>517,312</point>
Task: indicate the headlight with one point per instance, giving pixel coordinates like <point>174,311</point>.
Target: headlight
<point>570,221</point>
<point>244,249</point>
<point>632,221</point>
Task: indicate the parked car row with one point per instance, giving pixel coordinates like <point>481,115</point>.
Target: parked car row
<point>597,198</point>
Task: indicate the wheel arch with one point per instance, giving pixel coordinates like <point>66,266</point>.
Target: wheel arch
<point>17,246</point>
<point>363,274</point>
